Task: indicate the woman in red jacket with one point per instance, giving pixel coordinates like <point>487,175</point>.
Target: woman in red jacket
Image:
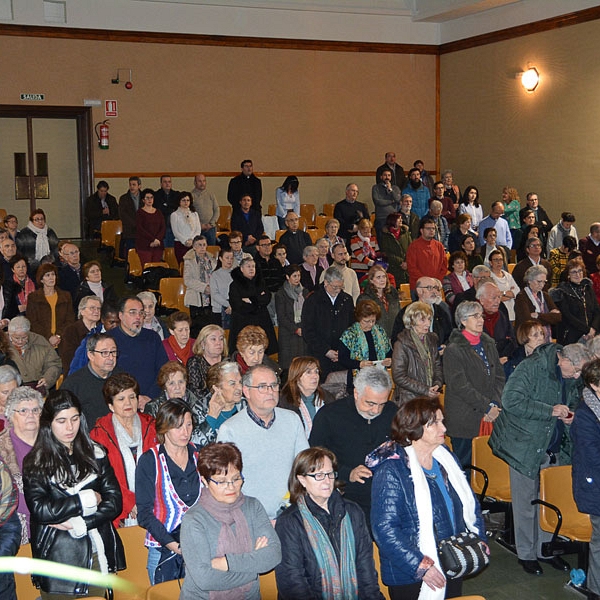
<point>126,434</point>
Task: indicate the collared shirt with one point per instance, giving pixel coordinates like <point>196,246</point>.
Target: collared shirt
<point>254,417</point>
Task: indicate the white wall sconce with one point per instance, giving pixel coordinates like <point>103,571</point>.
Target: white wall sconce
<point>530,79</point>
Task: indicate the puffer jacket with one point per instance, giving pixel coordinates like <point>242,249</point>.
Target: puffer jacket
<point>394,516</point>
<point>298,574</point>
<point>469,388</point>
<point>50,504</point>
<point>525,426</point>
<point>409,371</point>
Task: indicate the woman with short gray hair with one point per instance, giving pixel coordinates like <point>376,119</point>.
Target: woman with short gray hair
<point>533,302</point>
<point>10,378</point>
<point>23,409</point>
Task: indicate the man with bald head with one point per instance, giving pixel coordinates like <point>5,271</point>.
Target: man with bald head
<point>205,203</point>
<point>69,275</point>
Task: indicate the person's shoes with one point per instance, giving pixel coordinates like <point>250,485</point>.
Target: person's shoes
<point>557,562</point>
<point>531,566</point>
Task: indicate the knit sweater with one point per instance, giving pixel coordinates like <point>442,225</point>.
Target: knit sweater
<point>274,448</point>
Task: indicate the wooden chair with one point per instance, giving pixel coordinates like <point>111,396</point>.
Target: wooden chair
<point>213,251</point>
<point>321,221</point>
<point>110,237</point>
<point>571,530</point>
<point>511,267</point>
<point>328,210</point>
<point>136,556</point>
<point>490,480</point>
<point>170,259</point>
<point>279,233</point>
<point>377,561</point>
<point>316,234</point>
<point>272,210</point>
<point>172,294</point>
<point>134,264</point>
<point>169,590</point>
<point>224,220</point>
<point>162,263</point>
<point>3,214</point>
<point>309,212</point>
<point>25,588</point>
<point>302,224</point>
<point>268,586</point>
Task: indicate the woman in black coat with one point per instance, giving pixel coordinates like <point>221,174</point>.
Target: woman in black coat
<point>249,299</point>
<point>46,248</point>
<point>70,488</point>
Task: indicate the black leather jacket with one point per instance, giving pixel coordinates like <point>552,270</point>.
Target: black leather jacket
<point>51,504</point>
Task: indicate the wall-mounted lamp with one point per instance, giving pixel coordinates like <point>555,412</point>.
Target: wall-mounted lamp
<point>128,83</point>
<point>530,79</point>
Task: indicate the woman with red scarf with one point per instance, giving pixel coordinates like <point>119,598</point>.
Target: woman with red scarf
<point>395,239</point>
<point>251,343</point>
<point>179,344</point>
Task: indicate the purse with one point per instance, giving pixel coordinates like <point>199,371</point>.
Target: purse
<point>463,554</point>
<point>170,565</point>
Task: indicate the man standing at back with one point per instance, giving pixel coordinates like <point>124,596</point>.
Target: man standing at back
<point>398,175</point>
<point>268,437</point>
<point>207,207</point>
<point>166,199</point>
<point>496,221</point>
<point>349,212</point>
<point>245,183</point>
<point>129,203</point>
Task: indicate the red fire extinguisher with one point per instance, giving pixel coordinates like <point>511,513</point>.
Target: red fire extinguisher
<point>102,135</point>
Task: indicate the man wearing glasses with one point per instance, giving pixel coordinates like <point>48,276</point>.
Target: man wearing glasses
<point>141,352</point>
<point>426,257</point>
<point>87,382</point>
<point>268,437</point>
<point>533,249</point>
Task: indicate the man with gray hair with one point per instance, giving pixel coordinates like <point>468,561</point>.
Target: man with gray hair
<point>481,274</point>
<point>533,249</point>
<point>354,426</point>
<point>326,314</point>
<point>530,434</point>
<point>340,256</point>
<point>205,203</point>
<point>34,357</point>
<point>268,437</point>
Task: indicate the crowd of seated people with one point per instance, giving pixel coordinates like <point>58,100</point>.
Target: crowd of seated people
<point>325,319</point>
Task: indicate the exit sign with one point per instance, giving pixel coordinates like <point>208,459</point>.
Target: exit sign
<point>34,97</point>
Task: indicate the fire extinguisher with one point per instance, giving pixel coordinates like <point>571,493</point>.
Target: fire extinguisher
<point>103,135</point>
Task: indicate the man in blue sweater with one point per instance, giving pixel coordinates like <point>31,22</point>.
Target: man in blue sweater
<point>141,352</point>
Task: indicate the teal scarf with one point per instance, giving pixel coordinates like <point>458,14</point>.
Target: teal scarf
<point>337,583</point>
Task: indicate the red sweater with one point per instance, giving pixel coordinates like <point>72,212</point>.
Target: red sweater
<point>104,433</point>
<point>426,259</point>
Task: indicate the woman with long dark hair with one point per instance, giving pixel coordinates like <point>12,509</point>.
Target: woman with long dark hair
<point>469,205</point>
<point>73,496</point>
<point>287,198</point>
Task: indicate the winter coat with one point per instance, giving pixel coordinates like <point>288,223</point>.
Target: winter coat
<point>524,307</point>
<point>104,434</point>
<point>49,504</point>
<point>409,371</point>
<point>39,312</point>
<point>395,520</point>
<point>585,435</point>
<point>469,388</point>
<point>110,296</point>
<point>254,312</point>
<point>290,344</point>
<point>387,318</point>
<point>578,314</point>
<point>194,285</point>
<point>298,574</point>
<point>525,426</point>
<point>26,246</point>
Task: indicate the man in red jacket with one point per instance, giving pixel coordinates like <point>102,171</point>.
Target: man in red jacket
<point>426,257</point>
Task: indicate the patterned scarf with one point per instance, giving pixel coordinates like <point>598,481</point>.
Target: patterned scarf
<point>423,351</point>
<point>338,580</point>
<point>206,268</point>
<point>26,286</point>
<point>355,340</point>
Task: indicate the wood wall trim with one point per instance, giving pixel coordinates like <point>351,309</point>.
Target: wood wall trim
<point>282,174</point>
<point>574,18</point>
<point>151,37</point>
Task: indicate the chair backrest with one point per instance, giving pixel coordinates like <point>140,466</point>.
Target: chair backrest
<point>268,586</point>
<point>213,251</point>
<point>377,561</point>
<point>279,233</point>
<point>315,234</point>
<point>136,556</point>
<point>172,293</point>
<point>3,214</point>
<point>309,212</point>
<point>302,223</point>
<point>272,210</point>
<point>224,220</point>
<point>511,267</point>
<point>134,262</point>
<point>321,221</point>
<point>556,488</point>
<point>108,231</point>
<point>328,209</point>
<point>496,469</point>
<point>169,590</point>
<point>170,259</point>
<point>25,589</point>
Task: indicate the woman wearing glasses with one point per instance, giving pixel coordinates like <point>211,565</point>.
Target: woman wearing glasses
<point>577,302</point>
<point>326,548</point>
<point>226,538</point>
<point>23,408</point>
<point>126,434</point>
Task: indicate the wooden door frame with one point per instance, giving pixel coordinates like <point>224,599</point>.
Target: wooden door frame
<point>85,154</point>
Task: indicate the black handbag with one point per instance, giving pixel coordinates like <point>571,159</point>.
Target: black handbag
<point>463,554</point>
<point>170,565</point>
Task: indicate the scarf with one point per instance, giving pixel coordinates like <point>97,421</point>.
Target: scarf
<point>234,537</point>
<point>97,289</point>
<point>367,249</point>
<point>338,580</point>
<point>240,361</point>
<point>395,232</point>
<point>423,351</point>
<point>26,286</point>
<point>205,268</point>
<point>295,293</point>
<point>489,321</point>
<point>126,442</point>
<point>456,477</point>
<point>181,354</point>
<point>540,306</point>
<point>355,340</point>
<point>42,245</point>
<point>475,341</point>
<point>592,401</point>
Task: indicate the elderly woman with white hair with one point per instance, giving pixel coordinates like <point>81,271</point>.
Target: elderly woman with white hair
<point>10,378</point>
<point>474,379</point>
<point>533,302</point>
<point>33,356</point>
<point>23,409</point>
<point>150,320</point>
<point>416,362</point>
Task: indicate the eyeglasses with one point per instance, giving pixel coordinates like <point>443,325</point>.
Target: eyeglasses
<point>431,288</point>
<point>476,316</point>
<point>542,281</point>
<point>135,313</point>
<point>576,272</point>
<point>322,476</point>
<point>231,242</point>
<point>237,481</point>
<point>24,411</point>
<point>106,353</point>
<point>264,387</point>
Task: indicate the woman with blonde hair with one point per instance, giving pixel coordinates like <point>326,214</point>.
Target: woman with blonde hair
<point>209,349</point>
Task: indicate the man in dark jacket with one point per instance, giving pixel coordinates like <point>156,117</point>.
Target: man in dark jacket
<point>294,239</point>
<point>326,314</point>
<point>100,206</point>
<point>245,183</point>
<point>129,203</point>
<point>354,426</point>
<point>166,199</point>
<point>349,212</point>
<point>248,221</point>
<point>531,433</point>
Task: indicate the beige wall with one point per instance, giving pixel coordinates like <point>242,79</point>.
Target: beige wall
<point>494,134</point>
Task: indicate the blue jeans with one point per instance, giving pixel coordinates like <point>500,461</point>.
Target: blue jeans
<point>153,560</point>
<point>211,236</point>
